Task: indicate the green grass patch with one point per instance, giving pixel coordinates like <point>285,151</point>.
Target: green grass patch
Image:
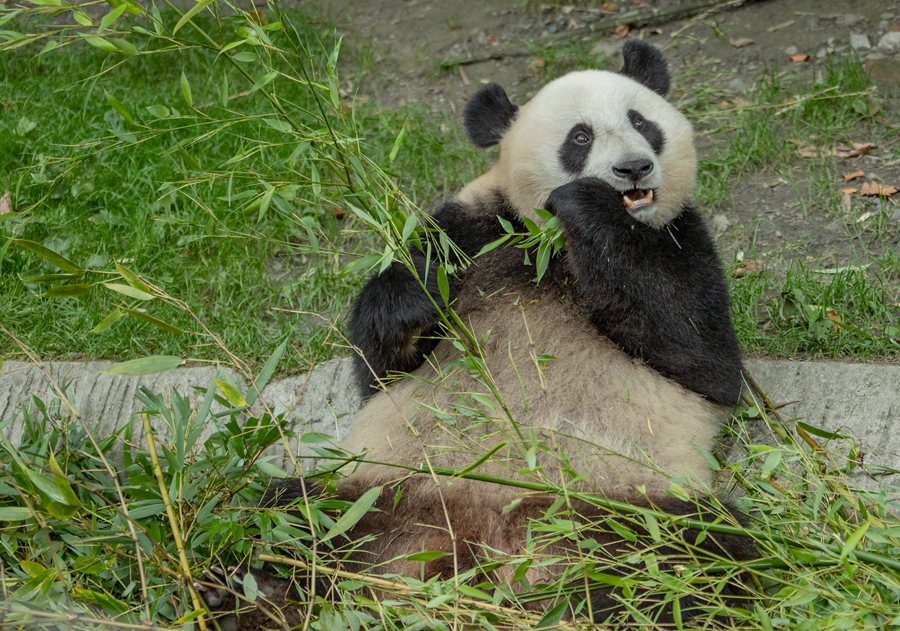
<point>819,312</point>
<point>212,180</point>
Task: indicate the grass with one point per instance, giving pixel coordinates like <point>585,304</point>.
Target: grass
<point>172,196</point>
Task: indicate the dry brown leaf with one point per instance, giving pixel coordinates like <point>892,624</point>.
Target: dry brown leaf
<point>874,189</point>
<point>6,203</point>
<point>849,189</point>
<point>747,267</point>
<point>846,201</point>
<point>779,26</point>
<point>622,30</point>
<point>835,317</point>
<point>858,149</point>
<point>811,151</point>
<point>853,175</point>
<point>799,58</point>
<point>740,42</point>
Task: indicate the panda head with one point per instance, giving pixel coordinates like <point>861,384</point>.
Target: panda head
<point>614,126</point>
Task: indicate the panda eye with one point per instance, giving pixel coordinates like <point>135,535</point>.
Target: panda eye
<point>637,121</point>
<point>581,138</point>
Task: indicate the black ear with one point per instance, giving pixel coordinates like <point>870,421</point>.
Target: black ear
<point>644,63</point>
<point>488,115</point>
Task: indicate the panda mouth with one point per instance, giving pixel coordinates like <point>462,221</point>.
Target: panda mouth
<point>637,198</point>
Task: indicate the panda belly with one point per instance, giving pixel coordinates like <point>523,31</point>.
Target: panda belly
<point>585,404</point>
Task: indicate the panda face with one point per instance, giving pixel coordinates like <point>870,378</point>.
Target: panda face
<point>605,125</point>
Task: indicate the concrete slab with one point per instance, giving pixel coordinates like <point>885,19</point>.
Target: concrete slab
<point>860,400</point>
<point>323,400</point>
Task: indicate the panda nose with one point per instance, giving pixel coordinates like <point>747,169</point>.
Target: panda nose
<point>633,169</point>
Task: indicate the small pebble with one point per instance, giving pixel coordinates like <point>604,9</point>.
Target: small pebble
<point>737,85</point>
<point>890,41</point>
<point>720,223</point>
<point>850,19</point>
<point>860,41</point>
<point>791,50</point>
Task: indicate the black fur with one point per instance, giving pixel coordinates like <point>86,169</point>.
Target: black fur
<point>393,322</point>
<point>488,115</point>
<point>574,155</point>
<point>657,293</point>
<point>645,64</point>
<point>648,130</point>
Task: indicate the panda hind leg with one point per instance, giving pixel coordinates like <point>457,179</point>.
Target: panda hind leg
<point>275,607</point>
<point>705,596</point>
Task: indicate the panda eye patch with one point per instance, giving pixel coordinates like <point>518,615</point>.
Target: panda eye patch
<point>574,151</point>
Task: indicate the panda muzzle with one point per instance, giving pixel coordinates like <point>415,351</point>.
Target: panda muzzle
<point>637,198</point>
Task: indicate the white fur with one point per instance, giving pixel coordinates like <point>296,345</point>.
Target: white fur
<point>528,168</point>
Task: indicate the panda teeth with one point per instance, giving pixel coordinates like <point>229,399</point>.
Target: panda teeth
<point>636,198</point>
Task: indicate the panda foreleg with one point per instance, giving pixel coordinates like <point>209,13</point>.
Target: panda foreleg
<point>656,292</point>
<point>391,319</point>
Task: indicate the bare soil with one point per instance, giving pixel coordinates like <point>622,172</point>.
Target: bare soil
<point>777,213</point>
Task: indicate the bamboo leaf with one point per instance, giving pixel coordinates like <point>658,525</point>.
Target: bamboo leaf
<point>68,291</point>
<point>265,373</point>
<point>133,279</point>
<point>194,10</point>
<point>117,105</point>
<point>186,90</point>
<point>165,326</point>
<point>128,290</point>
<point>101,43</point>
<point>49,255</point>
<point>231,394</point>
<point>265,202</point>
<point>443,284</point>
<point>108,321</point>
<point>110,18</point>
<point>399,141</point>
<point>408,226</point>
<point>854,539</point>
<point>144,365</point>
<point>14,513</point>
<point>354,514</point>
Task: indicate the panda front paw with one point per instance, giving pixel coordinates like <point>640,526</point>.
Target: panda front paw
<point>586,203</point>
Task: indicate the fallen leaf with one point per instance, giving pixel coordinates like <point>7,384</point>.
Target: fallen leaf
<point>841,151</point>
<point>622,30</point>
<point>799,58</point>
<point>850,189</point>
<point>853,175</point>
<point>866,216</point>
<point>846,202</point>
<point>858,149</point>
<point>874,189</point>
<point>835,317</point>
<point>6,203</point>
<point>779,26</point>
<point>811,151</point>
<point>747,267</point>
<point>740,42</point>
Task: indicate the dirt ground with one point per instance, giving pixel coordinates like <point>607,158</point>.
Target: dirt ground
<point>776,213</point>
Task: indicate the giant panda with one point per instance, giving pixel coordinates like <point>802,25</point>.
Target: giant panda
<point>611,375</point>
